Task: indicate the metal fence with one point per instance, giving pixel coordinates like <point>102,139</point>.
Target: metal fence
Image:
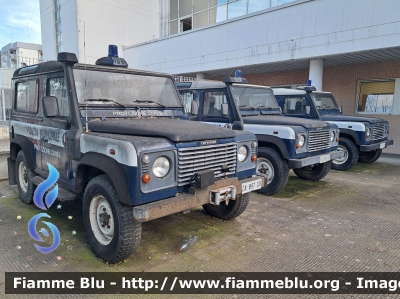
<point>5,104</point>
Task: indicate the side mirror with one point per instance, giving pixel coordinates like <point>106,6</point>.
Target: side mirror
<point>50,106</point>
<point>194,110</point>
<point>341,109</point>
<point>308,110</point>
<point>224,109</point>
<point>284,109</point>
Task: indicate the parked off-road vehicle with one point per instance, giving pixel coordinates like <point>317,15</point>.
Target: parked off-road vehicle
<point>361,138</point>
<point>306,146</point>
<point>118,141</point>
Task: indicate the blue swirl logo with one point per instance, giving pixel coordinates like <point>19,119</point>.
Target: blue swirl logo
<point>51,196</point>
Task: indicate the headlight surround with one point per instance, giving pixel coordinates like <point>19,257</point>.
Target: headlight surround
<point>367,132</point>
<point>161,167</point>
<point>301,140</point>
<point>242,153</point>
<point>331,136</point>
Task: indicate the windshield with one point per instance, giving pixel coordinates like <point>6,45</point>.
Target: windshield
<point>324,101</point>
<point>124,89</point>
<point>250,97</point>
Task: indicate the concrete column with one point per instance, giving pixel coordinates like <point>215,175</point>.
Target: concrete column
<point>200,76</point>
<point>316,72</point>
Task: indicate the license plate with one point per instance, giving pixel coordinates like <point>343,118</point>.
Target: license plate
<point>324,158</point>
<point>382,145</point>
<point>251,186</point>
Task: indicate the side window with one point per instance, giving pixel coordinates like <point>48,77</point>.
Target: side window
<point>295,105</point>
<point>212,103</point>
<point>187,99</point>
<point>56,88</point>
<point>27,96</point>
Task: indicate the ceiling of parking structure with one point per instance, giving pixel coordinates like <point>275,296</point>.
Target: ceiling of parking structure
<point>301,64</point>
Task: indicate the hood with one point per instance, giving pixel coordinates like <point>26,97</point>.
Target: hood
<point>175,130</point>
<point>285,120</point>
<point>350,118</point>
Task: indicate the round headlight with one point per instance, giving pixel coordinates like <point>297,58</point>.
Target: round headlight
<point>332,136</point>
<point>242,154</point>
<point>161,167</point>
<point>146,159</point>
<point>301,140</point>
<point>254,144</point>
<point>367,132</point>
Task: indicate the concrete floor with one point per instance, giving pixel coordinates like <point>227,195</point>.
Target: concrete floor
<point>347,222</point>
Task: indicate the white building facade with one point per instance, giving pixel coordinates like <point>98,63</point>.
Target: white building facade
<point>351,48</point>
<point>87,27</point>
<point>18,54</point>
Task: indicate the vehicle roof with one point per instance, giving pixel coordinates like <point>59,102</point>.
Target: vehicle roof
<point>55,66</point>
<point>202,84</point>
<point>288,91</point>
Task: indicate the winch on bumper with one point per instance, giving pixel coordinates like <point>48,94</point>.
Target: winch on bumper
<point>299,163</point>
<point>379,145</point>
<point>222,190</point>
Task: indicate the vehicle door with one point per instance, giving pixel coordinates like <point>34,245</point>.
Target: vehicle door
<point>295,105</point>
<point>211,108</point>
<point>55,128</point>
<point>26,113</point>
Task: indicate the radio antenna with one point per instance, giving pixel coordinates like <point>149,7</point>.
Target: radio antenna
<point>84,90</point>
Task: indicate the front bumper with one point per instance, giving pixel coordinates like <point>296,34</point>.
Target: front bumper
<point>299,163</point>
<point>183,202</point>
<point>379,145</point>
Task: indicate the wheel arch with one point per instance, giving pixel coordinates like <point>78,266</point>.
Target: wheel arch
<point>95,164</point>
<point>351,135</point>
<point>20,143</point>
<point>275,143</point>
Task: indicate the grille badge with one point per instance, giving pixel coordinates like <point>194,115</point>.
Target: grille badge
<point>208,142</point>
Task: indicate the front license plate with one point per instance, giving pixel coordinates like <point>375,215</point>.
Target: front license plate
<point>324,158</point>
<point>382,145</point>
<point>251,186</point>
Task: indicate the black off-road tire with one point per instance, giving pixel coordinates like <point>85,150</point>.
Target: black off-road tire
<point>127,232</point>
<point>25,195</point>
<point>351,155</point>
<point>280,170</point>
<point>230,211</point>
<point>314,172</point>
<point>369,157</point>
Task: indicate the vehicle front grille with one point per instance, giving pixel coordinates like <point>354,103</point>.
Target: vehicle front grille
<point>194,159</point>
<point>318,140</point>
<point>378,131</point>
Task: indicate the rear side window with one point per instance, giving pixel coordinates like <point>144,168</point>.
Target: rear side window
<point>56,87</point>
<point>27,96</point>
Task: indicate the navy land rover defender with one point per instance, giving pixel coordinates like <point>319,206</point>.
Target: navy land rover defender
<point>116,137</point>
<point>306,146</point>
<point>361,138</point>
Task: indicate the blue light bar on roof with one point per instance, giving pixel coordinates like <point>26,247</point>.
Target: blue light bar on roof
<point>112,51</point>
<point>112,59</point>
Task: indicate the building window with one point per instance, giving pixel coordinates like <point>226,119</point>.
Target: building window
<point>188,14</point>
<point>376,96</point>
<point>57,20</point>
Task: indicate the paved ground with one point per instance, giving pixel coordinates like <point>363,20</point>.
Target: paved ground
<point>347,222</point>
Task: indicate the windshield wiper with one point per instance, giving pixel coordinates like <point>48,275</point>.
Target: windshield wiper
<point>149,102</point>
<point>104,100</point>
